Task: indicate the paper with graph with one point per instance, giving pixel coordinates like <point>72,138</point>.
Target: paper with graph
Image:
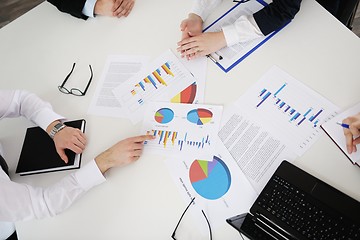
<point>181,128</point>
<point>164,79</point>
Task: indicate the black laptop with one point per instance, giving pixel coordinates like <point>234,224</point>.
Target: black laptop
<point>297,205</point>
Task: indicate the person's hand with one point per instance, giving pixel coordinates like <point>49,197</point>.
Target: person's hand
<point>122,8</point>
<point>201,45</point>
<point>69,138</point>
<point>122,153</point>
<point>192,26</point>
<point>352,135</point>
<point>104,7</point>
<point>113,8</point>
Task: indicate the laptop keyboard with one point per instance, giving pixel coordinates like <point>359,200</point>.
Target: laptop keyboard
<point>292,206</point>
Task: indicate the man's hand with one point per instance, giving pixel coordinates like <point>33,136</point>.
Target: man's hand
<point>352,135</point>
<point>113,8</point>
<point>122,153</point>
<point>69,138</point>
<point>122,8</point>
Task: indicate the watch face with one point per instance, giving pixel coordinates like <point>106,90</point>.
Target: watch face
<point>58,125</point>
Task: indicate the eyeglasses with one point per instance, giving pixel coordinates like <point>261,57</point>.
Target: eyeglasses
<point>177,225</point>
<point>75,91</point>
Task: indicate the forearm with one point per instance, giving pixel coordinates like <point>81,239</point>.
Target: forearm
<point>22,202</point>
<point>276,15</point>
<point>244,29</point>
<point>17,103</point>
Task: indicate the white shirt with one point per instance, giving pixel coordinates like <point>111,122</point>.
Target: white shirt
<point>242,30</point>
<point>20,202</point>
<point>89,7</point>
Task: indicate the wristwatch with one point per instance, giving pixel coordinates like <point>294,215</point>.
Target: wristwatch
<point>57,128</point>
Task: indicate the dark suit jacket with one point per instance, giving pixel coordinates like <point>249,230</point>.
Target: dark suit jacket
<point>73,7</point>
<point>276,15</point>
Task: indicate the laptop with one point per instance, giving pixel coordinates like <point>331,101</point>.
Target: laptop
<point>297,205</point>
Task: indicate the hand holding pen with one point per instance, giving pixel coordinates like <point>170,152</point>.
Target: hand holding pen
<point>351,127</point>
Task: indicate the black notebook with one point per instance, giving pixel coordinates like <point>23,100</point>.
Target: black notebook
<point>38,153</point>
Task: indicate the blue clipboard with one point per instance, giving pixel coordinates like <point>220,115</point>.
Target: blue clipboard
<point>251,50</point>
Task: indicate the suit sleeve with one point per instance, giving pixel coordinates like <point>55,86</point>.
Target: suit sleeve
<point>73,7</point>
<point>276,15</point>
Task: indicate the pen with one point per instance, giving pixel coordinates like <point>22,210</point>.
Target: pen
<point>211,58</point>
<point>218,56</point>
<point>344,125</point>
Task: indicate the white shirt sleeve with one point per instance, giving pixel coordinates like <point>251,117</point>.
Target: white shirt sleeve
<point>21,202</point>
<point>242,30</point>
<point>16,103</point>
<point>204,8</point>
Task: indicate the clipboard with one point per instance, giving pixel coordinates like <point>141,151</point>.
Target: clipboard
<point>252,45</point>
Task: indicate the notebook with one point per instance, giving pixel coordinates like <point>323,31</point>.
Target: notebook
<point>336,133</point>
<point>38,153</point>
<point>297,205</point>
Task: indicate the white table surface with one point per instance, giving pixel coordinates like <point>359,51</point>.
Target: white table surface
<point>141,201</point>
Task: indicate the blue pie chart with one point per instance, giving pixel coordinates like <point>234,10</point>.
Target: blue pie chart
<point>210,179</point>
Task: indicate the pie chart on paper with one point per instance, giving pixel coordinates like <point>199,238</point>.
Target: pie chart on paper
<point>186,96</point>
<point>210,179</point>
<point>164,115</point>
<point>199,116</point>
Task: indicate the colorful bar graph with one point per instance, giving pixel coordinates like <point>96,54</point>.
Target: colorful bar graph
<point>164,138</point>
<point>166,68</point>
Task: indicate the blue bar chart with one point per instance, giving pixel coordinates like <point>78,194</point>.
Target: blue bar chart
<point>295,116</point>
<point>287,108</point>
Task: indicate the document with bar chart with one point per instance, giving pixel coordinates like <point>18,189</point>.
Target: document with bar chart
<point>289,109</point>
<point>181,128</point>
<point>277,118</point>
<point>165,79</point>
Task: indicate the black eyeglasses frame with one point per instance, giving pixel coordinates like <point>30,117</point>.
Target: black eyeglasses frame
<point>75,91</point>
<point>182,215</point>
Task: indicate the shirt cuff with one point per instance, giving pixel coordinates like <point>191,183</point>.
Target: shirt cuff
<point>244,29</point>
<point>89,8</point>
<point>89,176</point>
<point>45,117</point>
<point>204,8</point>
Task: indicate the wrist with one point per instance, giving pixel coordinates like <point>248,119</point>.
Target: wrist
<point>54,128</point>
<point>195,17</point>
<point>102,162</point>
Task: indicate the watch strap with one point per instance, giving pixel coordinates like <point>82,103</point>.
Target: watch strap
<point>57,128</point>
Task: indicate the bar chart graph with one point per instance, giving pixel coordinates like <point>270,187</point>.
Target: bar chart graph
<point>153,80</point>
<point>297,117</point>
<point>287,108</point>
<point>178,140</point>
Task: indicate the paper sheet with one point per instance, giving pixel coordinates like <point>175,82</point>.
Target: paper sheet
<point>117,70</point>
<point>219,186</point>
<point>233,53</point>
<point>336,132</point>
<point>182,129</point>
<point>162,80</point>
<point>277,118</point>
